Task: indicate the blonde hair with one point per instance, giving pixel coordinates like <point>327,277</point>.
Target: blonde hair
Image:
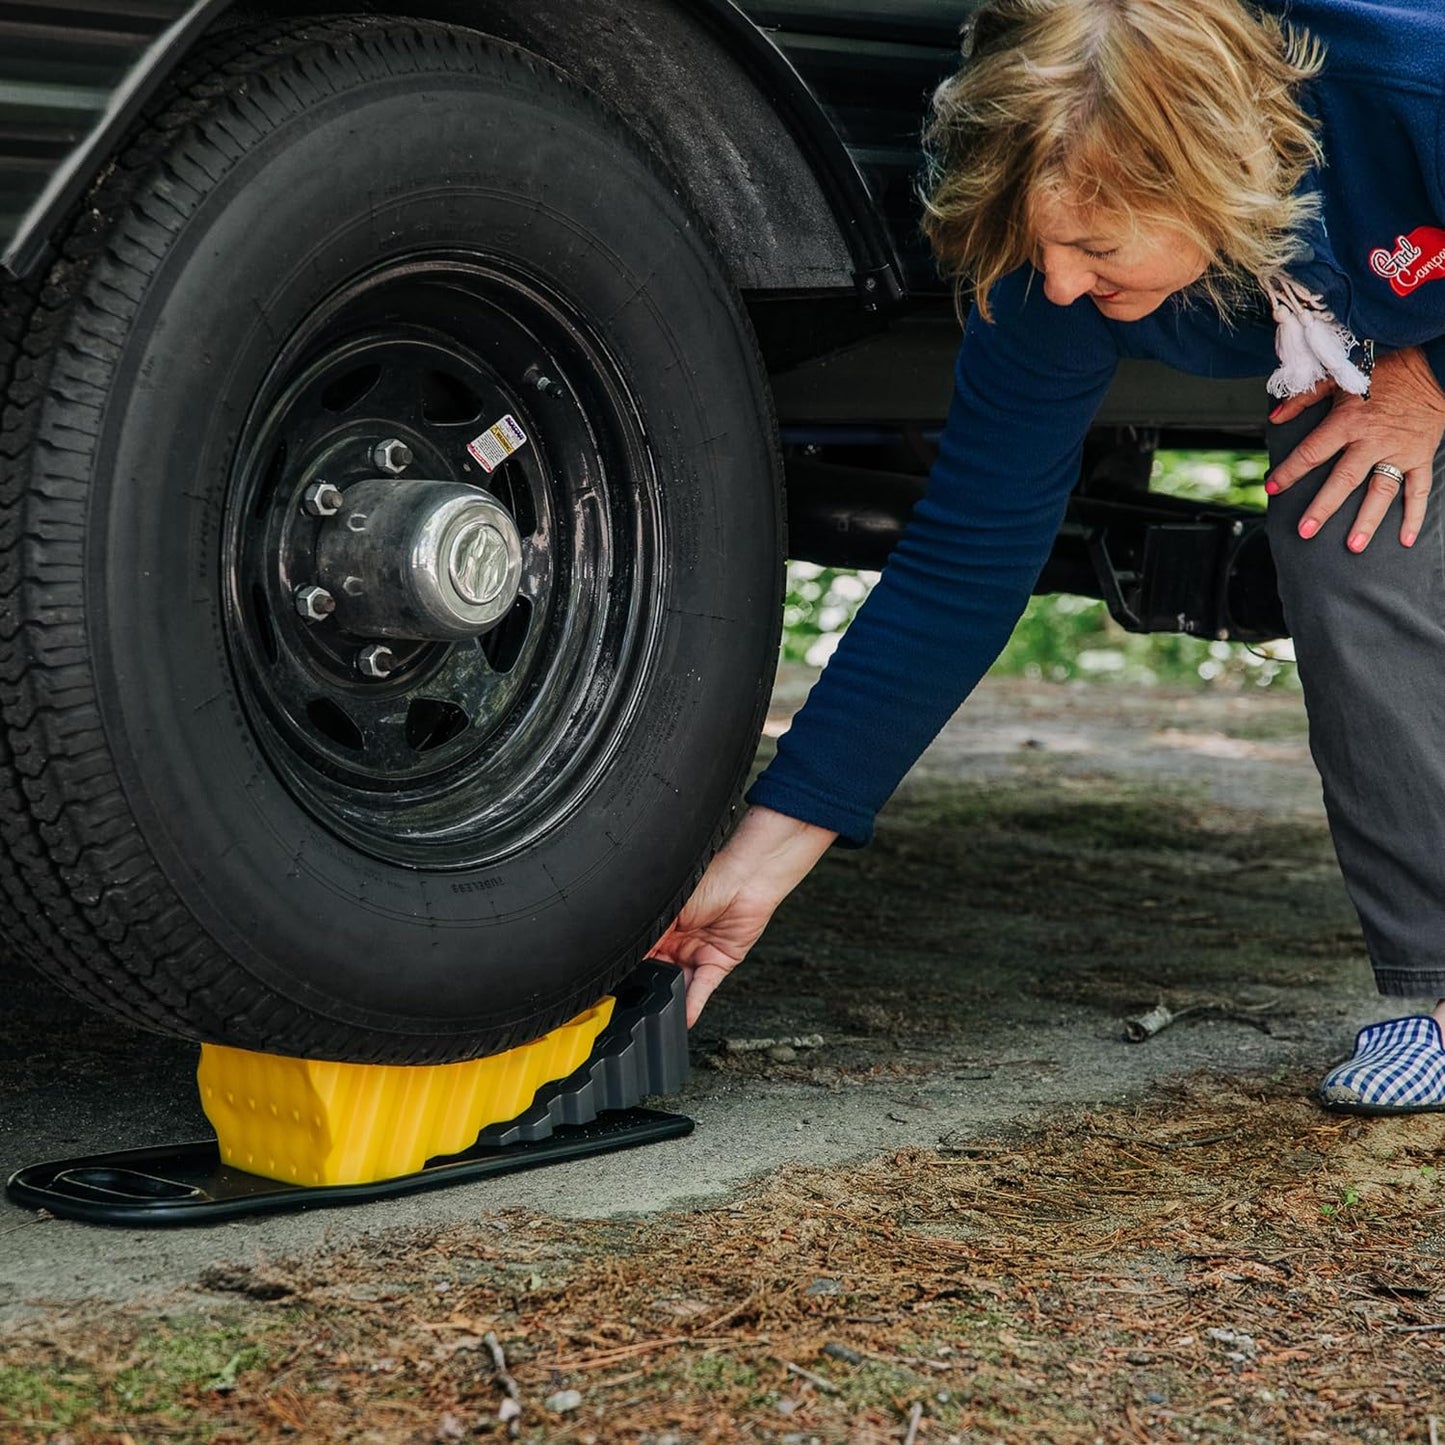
<point>1175,112</point>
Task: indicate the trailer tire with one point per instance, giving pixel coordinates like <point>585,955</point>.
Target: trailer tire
<point>216,821</point>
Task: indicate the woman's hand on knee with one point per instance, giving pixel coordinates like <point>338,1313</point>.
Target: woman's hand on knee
<point>765,859</point>
<point>1400,425</point>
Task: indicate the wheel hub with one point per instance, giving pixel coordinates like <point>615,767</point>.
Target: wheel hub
<point>420,560</point>
<point>438,656</point>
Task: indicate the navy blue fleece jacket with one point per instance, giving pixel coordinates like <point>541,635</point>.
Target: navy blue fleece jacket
<point>1027,386</point>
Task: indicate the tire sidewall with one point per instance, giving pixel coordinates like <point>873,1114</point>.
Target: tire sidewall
<point>509,157</point>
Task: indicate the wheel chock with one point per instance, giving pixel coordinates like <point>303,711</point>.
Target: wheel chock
<point>299,1133</point>
<point>307,1121</point>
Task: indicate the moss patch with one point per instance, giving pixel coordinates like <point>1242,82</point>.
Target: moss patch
<point>168,1373</point>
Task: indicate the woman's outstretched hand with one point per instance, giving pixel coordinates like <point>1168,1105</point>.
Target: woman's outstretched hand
<point>1401,423</point>
<point>767,856</point>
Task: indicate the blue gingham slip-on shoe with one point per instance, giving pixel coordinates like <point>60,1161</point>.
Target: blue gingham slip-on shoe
<point>1398,1067</point>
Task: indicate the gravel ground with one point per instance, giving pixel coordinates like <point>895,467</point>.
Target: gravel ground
<point>1061,855</point>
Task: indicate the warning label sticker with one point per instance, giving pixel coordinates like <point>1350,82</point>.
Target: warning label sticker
<point>497,443</point>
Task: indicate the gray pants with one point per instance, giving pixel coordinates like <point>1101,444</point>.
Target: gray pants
<point>1369,633</point>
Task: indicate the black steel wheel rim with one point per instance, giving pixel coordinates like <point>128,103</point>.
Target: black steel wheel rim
<point>467,749</point>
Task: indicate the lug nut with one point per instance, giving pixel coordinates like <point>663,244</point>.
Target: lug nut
<point>393,456</point>
<point>315,604</point>
<point>322,499</point>
<point>376,661</point>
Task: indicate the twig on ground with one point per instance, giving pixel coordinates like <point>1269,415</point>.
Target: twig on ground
<point>707,1329</point>
<point>618,1380</point>
<point>1139,1027</point>
<point>1417,1329</point>
<point>952,1143</point>
<point>626,1352</point>
<point>914,1416</point>
<point>821,1381</point>
<point>1167,1144</point>
<point>511,1417</point>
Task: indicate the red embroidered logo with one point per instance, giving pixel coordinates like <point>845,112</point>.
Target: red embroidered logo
<point>1416,259</point>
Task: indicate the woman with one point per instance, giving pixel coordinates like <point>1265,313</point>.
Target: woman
<point>1204,185</point>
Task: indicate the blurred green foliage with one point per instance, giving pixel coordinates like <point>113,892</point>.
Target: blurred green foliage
<point>1061,638</point>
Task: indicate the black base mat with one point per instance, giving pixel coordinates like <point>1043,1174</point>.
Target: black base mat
<point>595,1110</point>
<point>187,1183</point>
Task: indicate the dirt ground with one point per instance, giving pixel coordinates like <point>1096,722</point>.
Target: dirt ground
<point>970,1210</point>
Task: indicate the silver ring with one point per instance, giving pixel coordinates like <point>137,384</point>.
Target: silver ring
<point>1387,469</point>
